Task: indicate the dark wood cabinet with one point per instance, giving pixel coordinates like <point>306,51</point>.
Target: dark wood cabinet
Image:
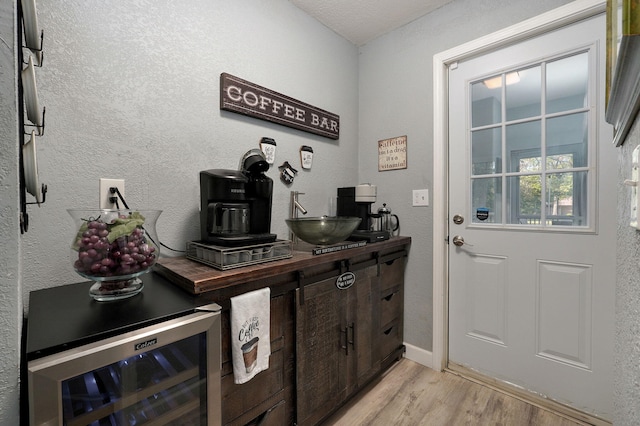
<point>367,320</point>
<point>334,343</point>
<point>343,337</point>
<point>326,343</point>
<point>261,400</point>
<point>321,345</point>
<point>391,296</point>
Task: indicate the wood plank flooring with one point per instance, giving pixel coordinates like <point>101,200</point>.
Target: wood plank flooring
<point>411,394</point>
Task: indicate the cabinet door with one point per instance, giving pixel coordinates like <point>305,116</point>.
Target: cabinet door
<point>241,403</point>
<point>365,319</point>
<point>321,331</point>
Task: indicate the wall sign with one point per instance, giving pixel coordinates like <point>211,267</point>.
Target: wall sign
<point>287,173</point>
<point>268,148</point>
<point>306,156</point>
<point>345,280</point>
<point>249,99</point>
<point>392,153</point>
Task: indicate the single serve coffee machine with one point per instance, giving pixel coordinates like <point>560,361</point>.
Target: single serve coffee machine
<point>356,201</point>
<point>235,205</point>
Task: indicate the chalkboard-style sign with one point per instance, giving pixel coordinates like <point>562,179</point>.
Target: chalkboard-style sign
<point>249,99</point>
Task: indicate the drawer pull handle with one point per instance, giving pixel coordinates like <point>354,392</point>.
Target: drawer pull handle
<point>348,342</point>
<point>388,331</point>
<point>353,335</point>
<point>389,297</point>
<point>345,330</point>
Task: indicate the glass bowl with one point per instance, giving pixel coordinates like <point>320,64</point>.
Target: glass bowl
<point>323,230</point>
<point>113,248</point>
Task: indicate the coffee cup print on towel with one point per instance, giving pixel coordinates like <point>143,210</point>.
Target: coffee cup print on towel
<point>250,354</point>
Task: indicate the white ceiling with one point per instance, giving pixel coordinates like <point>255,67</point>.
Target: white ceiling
<point>361,21</point>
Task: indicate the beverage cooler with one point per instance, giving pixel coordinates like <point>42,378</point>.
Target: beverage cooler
<point>152,359</point>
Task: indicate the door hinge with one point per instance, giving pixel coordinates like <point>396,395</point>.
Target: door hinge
<point>446,240</point>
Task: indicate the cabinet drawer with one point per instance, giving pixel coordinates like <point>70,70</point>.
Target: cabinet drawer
<point>274,416</point>
<point>391,273</point>
<point>391,303</point>
<point>390,338</point>
<point>239,399</point>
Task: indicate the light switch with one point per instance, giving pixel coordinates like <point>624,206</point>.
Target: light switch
<point>420,197</point>
<point>633,184</point>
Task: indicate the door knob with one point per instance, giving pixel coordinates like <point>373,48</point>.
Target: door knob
<point>458,240</point>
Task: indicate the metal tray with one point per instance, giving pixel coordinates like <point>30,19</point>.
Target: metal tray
<point>235,257</point>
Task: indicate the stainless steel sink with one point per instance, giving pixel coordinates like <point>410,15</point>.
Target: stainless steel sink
<point>324,230</point>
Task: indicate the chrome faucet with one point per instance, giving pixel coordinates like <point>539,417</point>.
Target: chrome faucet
<point>294,207</point>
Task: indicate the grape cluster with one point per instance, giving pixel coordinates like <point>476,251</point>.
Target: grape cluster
<point>126,255</point>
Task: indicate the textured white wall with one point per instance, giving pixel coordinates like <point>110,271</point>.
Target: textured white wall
<point>627,340</point>
<point>396,98</point>
<point>132,91</point>
<point>10,290</point>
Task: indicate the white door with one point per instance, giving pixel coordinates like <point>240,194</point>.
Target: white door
<point>532,192</point>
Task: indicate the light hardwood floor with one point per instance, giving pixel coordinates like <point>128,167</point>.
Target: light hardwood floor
<point>411,394</point>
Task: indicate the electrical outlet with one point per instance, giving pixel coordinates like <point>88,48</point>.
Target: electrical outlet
<point>420,197</point>
<point>106,195</point>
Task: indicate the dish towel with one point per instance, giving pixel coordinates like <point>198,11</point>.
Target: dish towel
<point>250,341</point>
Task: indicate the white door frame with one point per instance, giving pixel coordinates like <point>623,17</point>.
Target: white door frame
<point>557,18</point>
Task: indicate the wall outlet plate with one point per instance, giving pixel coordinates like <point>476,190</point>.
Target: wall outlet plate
<point>106,194</point>
<point>420,197</point>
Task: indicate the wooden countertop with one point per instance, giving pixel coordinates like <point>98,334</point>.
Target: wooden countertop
<point>197,278</point>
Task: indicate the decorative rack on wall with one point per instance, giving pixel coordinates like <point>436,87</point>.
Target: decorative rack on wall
<point>30,57</point>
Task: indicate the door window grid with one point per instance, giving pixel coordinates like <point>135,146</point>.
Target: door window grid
<point>531,188</point>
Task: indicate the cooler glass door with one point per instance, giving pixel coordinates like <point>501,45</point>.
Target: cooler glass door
<point>166,374</point>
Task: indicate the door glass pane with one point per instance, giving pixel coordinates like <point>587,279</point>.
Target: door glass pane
<point>486,102</point>
<point>523,99</point>
<point>486,151</point>
<point>523,199</point>
<point>567,81</point>
<point>530,163</point>
<point>545,172</point>
<point>567,134</point>
<point>560,161</point>
<point>486,204</point>
<point>522,137</point>
<point>566,199</point>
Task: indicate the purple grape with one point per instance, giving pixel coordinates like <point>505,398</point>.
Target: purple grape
<point>126,255</point>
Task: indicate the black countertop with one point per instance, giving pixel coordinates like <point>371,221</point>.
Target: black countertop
<point>66,317</point>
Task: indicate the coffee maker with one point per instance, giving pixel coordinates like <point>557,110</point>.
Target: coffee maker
<point>235,205</point>
<point>356,201</point>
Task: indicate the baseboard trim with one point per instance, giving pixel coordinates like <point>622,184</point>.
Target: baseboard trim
<point>419,355</point>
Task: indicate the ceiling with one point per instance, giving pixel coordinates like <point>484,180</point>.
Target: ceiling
<point>361,21</point>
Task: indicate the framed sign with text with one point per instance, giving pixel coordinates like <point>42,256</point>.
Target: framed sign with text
<point>249,99</point>
<point>392,153</point>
